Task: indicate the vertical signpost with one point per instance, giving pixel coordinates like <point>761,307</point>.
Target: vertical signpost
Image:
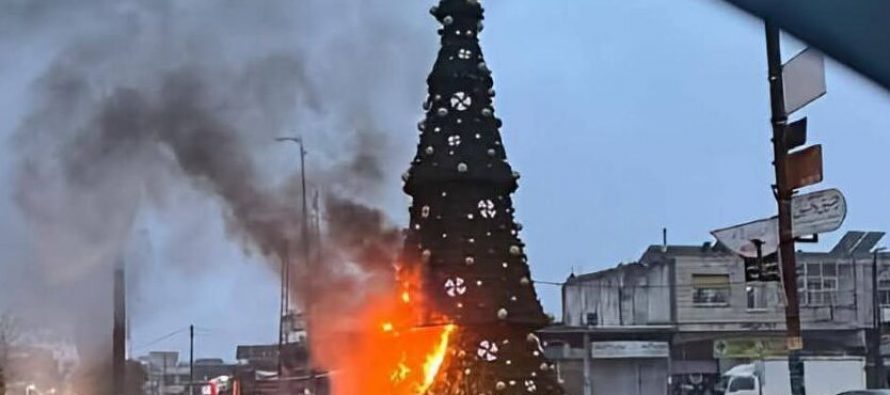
<point>805,75</point>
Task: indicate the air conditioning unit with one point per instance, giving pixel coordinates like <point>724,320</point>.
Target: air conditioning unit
<point>592,319</point>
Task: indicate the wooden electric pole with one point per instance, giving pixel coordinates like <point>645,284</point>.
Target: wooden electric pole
<point>784,193</point>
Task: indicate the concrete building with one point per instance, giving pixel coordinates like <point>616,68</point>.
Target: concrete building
<point>167,375</point>
<point>687,313</point>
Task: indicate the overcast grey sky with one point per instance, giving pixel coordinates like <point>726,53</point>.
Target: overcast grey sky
<point>622,116</point>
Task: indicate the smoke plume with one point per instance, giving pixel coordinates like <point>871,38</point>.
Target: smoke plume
<point>134,107</point>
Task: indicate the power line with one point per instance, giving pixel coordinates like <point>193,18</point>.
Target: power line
<point>160,339</point>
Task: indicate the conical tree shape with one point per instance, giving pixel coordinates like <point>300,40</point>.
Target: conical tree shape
<point>462,233</point>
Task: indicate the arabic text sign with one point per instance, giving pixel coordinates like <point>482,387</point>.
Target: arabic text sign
<point>629,349</point>
<point>818,212</point>
<point>811,213</point>
<point>803,79</point>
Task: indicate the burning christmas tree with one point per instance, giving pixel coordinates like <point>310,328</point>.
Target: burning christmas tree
<point>473,271</point>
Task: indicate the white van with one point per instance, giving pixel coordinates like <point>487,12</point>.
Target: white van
<point>822,376</point>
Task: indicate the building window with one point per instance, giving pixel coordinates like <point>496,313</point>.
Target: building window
<point>884,287</point>
<point>756,296</point>
<point>817,284</point>
<point>592,319</point>
<point>710,289</point>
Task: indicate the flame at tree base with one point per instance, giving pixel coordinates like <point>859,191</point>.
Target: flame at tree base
<point>382,350</point>
<point>421,352</point>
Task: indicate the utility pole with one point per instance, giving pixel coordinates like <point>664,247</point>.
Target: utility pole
<point>874,347</point>
<point>118,369</point>
<point>191,385</point>
<point>784,193</point>
<point>304,241</point>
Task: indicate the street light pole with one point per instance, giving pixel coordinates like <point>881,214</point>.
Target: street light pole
<point>304,239</point>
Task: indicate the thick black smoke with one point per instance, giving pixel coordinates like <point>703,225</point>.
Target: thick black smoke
<point>140,100</point>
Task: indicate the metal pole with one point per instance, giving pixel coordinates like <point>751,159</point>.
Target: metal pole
<point>783,198</point>
<point>191,390</point>
<point>163,390</point>
<point>670,366</point>
<point>587,385</point>
<point>304,240</point>
<point>119,332</point>
<point>305,222</point>
<point>287,279</point>
<point>306,262</point>
<point>877,360</point>
<point>282,312</point>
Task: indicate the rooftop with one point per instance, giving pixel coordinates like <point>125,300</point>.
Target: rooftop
<point>853,243</point>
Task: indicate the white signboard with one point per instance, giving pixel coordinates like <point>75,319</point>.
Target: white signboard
<point>629,349</point>
<point>740,238</point>
<point>818,212</point>
<point>803,78</point>
<point>811,213</point>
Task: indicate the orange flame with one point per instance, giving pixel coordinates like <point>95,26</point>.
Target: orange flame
<point>389,354</point>
<point>434,360</point>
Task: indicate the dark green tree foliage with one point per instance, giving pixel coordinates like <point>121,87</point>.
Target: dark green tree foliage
<point>462,231</point>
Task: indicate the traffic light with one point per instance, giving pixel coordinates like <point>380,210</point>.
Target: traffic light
<point>770,268</point>
<point>764,269</point>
